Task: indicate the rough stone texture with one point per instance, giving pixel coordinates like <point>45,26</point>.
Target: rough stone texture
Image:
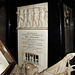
<point>2,24</point>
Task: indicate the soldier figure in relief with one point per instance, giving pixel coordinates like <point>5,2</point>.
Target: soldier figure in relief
<point>40,18</point>
<point>20,19</point>
<point>24,16</point>
<point>28,18</point>
<point>34,18</point>
<point>45,17</point>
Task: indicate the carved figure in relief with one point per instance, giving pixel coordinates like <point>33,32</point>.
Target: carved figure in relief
<point>28,18</point>
<point>22,69</point>
<point>34,18</point>
<point>40,18</point>
<point>31,17</point>
<point>45,16</point>
<point>59,68</point>
<point>19,70</point>
<point>20,19</point>
<point>24,16</point>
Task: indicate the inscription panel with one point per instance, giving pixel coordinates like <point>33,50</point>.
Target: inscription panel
<point>34,42</point>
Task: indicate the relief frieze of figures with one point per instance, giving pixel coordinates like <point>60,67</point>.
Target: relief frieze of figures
<point>32,17</point>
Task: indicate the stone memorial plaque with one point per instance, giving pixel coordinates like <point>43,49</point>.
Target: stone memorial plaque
<point>33,42</point>
<point>33,34</point>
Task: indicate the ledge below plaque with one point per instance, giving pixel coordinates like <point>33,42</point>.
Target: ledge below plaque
<point>43,28</point>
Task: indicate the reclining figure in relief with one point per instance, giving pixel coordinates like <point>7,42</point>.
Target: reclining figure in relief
<point>59,68</point>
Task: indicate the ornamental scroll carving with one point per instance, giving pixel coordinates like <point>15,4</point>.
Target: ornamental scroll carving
<point>33,16</point>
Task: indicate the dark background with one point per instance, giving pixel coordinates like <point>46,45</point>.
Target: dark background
<point>56,44</point>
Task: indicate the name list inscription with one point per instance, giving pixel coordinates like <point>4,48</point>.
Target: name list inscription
<point>33,40</point>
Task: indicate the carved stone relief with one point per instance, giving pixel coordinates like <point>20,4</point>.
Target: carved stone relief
<point>59,68</point>
<point>33,16</point>
<point>32,25</point>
